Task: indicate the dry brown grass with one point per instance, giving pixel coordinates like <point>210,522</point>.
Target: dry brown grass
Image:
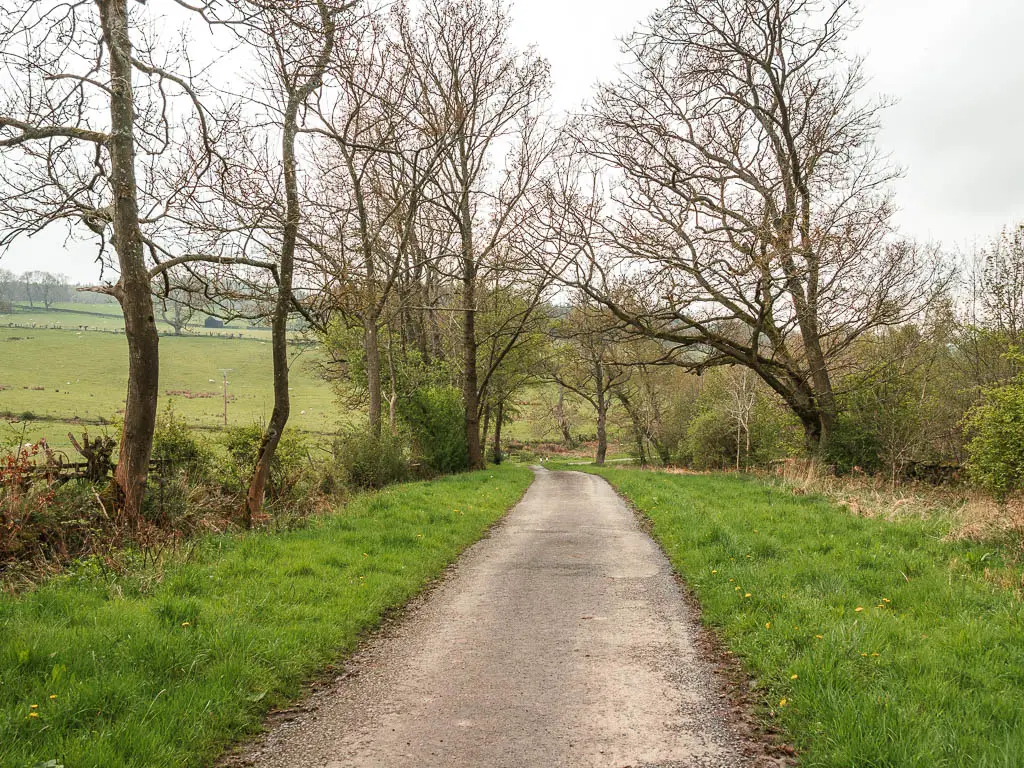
<point>972,514</point>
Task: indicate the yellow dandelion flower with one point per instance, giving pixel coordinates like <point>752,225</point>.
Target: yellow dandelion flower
<point>33,706</point>
<point>713,570</point>
<point>886,600</point>
<point>33,714</point>
<point>874,654</point>
<point>783,702</point>
<point>793,677</point>
<point>863,654</point>
<point>53,696</point>
<point>820,637</point>
<point>768,625</point>
<point>747,594</point>
<point>858,609</point>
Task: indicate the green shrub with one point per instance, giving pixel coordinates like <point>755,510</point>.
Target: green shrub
<point>996,448</point>
<point>855,444</point>
<point>286,470</point>
<point>710,441</point>
<point>368,461</point>
<point>435,418</point>
<point>178,448</point>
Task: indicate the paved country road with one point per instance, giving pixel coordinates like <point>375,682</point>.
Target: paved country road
<point>561,640</point>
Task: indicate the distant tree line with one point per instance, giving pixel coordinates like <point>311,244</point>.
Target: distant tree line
<point>34,288</point>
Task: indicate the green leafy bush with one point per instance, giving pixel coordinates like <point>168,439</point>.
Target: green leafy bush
<point>179,448</point>
<point>368,461</point>
<point>996,449</point>
<point>710,441</point>
<point>435,418</point>
<point>286,469</point>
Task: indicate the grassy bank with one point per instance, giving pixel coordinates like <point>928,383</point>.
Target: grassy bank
<point>99,670</point>
<point>872,643</point>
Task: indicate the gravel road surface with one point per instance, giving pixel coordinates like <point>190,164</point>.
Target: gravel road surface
<point>561,640</point>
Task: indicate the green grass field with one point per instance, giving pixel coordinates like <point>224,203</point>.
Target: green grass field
<point>104,670</point>
<point>108,317</point>
<point>57,376</point>
<point>871,643</point>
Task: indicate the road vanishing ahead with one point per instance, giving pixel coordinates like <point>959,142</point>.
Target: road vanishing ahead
<point>563,639</point>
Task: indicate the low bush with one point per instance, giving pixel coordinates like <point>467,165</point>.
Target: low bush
<point>287,470</point>
<point>996,448</point>
<point>179,448</point>
<point>368,461</point>
<point>435,416</point>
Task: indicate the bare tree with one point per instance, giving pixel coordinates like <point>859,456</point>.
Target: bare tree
<point>8,284</point>
<point>586,365</point>
<point>487,101</point>
<point>742,400</point>
<point>52,288</point>
<point>994,314</point>
<point>250,213</point>
<point>372,162</point>
<point>176,306</point>
<point>739,202</point>
<point>89,106</point>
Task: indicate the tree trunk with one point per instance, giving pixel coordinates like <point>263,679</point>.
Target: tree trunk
<point>498,418</point>
<point>470,379</point>
<point>282,402</point>
<point>297,96</point>
<point>602,432</point>
<point>639,432</point>
<point>279,332</point>
<point>563,420</point>
<point>371,348</point>
<point>471,397</point>
<point>487,424</point>
<point>602,416</point>
<point>393,398</point>
<point>133,288</point>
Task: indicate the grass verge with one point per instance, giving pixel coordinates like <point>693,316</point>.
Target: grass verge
<point>871,642</point>
<point>99,669</point>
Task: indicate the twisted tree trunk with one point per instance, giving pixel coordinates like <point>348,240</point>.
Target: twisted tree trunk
<point>133,289</point>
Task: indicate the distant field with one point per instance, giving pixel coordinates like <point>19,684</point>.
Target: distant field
<point>108,317</point>
<point>55,377</point>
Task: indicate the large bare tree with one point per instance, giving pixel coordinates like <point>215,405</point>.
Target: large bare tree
<point>488,102</point>
<point>373,161</point>
<point>742,212</point>
<point>89,123</point>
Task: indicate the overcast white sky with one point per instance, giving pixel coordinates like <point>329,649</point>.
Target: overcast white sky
<point>956,69</point>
